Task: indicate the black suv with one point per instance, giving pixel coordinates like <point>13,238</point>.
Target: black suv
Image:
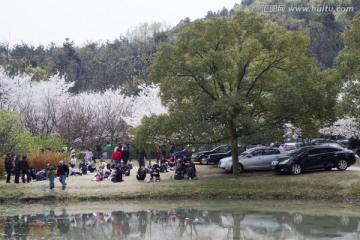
<point>314,158</point>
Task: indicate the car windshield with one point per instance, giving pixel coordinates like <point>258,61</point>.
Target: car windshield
<point>222,149</point>
<point>288,147</point>
<point>299,151</point>
<point>244,153</point>
<point>197,148</point>
<point>249,152</point>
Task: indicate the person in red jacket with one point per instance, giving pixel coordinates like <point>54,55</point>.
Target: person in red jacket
<point>117,156</point>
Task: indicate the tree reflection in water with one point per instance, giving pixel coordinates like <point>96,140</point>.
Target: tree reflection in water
<point>178,223</point>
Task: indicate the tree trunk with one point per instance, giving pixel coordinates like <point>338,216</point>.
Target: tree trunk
<point>234,154</point>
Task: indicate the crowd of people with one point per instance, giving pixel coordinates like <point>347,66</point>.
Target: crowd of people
<point>115,171</point>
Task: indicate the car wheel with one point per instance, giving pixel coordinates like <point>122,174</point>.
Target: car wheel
<point>241,168</point>
<point>295,169</point>
<point>342,165</point>
<point>203,160</point>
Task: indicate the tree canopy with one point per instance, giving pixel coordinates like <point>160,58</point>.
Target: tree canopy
<point>242,76</point>
<point>348,66</point>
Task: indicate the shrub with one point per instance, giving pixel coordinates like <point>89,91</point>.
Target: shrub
<point>40,159</point>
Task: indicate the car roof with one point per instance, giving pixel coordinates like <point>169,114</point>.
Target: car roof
<point>291,143</point>
<point>262,147</point>
<point>323,146</point>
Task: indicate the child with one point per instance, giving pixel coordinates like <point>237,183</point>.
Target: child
<point>97,176</point>
<point>51,177</point>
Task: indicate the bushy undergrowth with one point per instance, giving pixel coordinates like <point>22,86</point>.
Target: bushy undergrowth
<point>40,160</point>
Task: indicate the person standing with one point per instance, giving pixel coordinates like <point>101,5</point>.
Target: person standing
<point>72,165</point>
<point>158,154</point>
<point>17,168</point>
<point>88,156</point>
<point>63,171</point>
<point>24,165</point>
<point>51,177</point>
<point>9,165</point>
<point>98,151</point>
<point>125,155</point>
<point>108,150</point>
<point>117,156</point>
<point>142,157</point>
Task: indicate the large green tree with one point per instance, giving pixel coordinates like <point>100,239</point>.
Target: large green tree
<point>348,66</point>
<point>244,76</point>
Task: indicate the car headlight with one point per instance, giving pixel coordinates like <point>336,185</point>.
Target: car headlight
<point>284,162</point>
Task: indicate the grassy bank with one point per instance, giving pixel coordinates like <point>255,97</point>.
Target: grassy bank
<point>212,184</point>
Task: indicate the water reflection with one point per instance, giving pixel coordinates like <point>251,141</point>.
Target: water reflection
<point>179,223</point>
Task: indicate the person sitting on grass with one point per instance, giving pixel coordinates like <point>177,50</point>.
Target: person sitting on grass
<point>72,171</point>
<point>116,175</point>
<point>83,167</point>
<point>180,171</point>
<point>172,163</point>
<point>148,169</point>
<point>155,173</point>
<point>32,174</point>
<point>190,170</point>
<point>163,164</point>
<point>92,165</point>
<point>141,173</point>
<point>125,169</point>
<point>98,175</point>
<point>41,175</point>
<point>105,169</point>
<point>130,164</point>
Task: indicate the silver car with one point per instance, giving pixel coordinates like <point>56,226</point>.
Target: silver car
<point>258,158</point>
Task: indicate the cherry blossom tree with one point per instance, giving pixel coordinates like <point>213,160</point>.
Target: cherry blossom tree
<point>47,108</point>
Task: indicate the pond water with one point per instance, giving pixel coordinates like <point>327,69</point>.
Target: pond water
<point>154,220</point>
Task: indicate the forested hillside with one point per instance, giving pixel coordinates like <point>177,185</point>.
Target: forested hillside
<point>97,66</point>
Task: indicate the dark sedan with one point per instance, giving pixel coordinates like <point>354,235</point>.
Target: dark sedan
<point>215,157</point>
<point>202,157</point>
<point>315,158</point>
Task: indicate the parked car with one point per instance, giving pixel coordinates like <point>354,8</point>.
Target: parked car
<point>333,144</point>
<point>314,158</point>
<point>202,157</point>
<point>216,157</point>
<point>290,146</point>
<point>258,158</point>
<point>319,141</point>
<point>190,149</point>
